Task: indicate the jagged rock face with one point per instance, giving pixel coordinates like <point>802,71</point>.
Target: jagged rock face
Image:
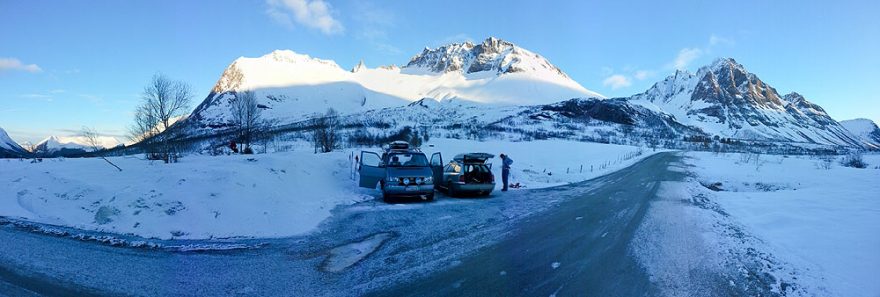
<point>616,111</point>
<point>229,80</point>
<point>725,99</point>
<point>359,67</point>
<point>735,94</point>
<point>491,55</point>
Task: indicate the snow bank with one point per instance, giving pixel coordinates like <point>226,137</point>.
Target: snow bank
<point>545,163</point>
<point>269,195</point>
<point>265,195</point>
<point>825,221</point>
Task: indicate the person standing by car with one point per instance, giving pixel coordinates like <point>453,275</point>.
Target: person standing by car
<point>505,170</point>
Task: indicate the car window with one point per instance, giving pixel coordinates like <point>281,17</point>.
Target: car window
<point>407,160</point>
<point>372,160</point>
<point>474,168</point>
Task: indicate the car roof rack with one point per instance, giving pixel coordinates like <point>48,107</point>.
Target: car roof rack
<point>400,146</point>
<point>473,157</point>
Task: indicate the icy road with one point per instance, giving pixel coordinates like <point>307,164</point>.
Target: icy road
<point>563,241</point>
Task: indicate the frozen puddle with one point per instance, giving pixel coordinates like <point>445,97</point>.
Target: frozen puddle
<point>345,256</point>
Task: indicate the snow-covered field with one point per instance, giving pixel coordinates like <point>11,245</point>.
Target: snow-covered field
<point>814,229</point>
<point>264,195</point>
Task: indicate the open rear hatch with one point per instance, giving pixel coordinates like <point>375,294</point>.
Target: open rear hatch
<point>473,158</point>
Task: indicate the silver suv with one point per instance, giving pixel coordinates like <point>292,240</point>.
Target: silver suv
<point>401,171</point>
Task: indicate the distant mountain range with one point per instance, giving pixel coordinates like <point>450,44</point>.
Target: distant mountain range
<point>66,145</point>
<point>504,87</point>
<point>53,146</point>
<point>496,87</point>
<point>292,85</point>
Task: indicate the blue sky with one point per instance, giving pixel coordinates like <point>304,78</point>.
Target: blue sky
<point>66,64</point>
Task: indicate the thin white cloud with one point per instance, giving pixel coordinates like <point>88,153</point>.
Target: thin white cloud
<point>685,57</point>
<point>688,55</point>
<point>37,96</point>
<point>643,74</point>
<point>373,23</point>
<point>13,64</point>
<point>315,14</point>
<point>617,81</point>
<point>718,40</point>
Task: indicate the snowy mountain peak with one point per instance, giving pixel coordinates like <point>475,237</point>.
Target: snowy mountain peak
<point>724,99</point>
<point>493,54</point>
<point>8,147</point>
<point>274,70</point>
<point>865,130</point>
<point>54,144</point>
<point>292,86</point>
<point>289,56</point>
<point>726,64</point>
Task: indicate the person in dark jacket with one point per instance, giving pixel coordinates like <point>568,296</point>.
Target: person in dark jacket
<point>505,170</point>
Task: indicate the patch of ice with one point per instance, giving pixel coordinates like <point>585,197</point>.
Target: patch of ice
<point>347,255</point>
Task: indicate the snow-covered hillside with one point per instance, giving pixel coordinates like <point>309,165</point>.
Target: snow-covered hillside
<point>291,85</point>
<point>724,99</point>
<point>55,144</point>
<point>8,147</point>
<point>865,130</point>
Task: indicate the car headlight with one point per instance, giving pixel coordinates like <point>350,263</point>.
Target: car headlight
<point>393,179</point>
<point>429,180</point>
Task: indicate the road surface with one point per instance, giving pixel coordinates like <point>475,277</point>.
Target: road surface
<point>566,241</point>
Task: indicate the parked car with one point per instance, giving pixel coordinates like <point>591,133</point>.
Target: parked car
<point>401,171</point>
<point>465,174</point>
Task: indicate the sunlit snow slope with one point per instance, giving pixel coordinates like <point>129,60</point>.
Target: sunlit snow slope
<point>291,85</point>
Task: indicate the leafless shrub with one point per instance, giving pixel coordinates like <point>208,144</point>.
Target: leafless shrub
<point>825,162</point>
<point>325,131</point>
<point>854,160</point>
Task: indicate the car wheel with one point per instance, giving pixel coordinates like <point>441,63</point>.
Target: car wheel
<point>385,196</point>
<point>450,190</point>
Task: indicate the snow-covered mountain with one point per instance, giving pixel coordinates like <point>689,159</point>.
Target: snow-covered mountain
<point>8,147</point>
<point>290,86</point>
<point>72,144</point>
<point>865,130</point>
<point>724,99</point>
<point>497,88</point>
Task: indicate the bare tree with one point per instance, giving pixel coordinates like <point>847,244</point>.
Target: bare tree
<point>325,131</point>
<point>144,126</point>
<point>91,135</point>
<point>163,100</point>
<point>246,115</point>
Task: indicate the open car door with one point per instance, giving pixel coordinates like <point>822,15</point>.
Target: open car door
<point>437,168</point>
<point>371,170</point>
